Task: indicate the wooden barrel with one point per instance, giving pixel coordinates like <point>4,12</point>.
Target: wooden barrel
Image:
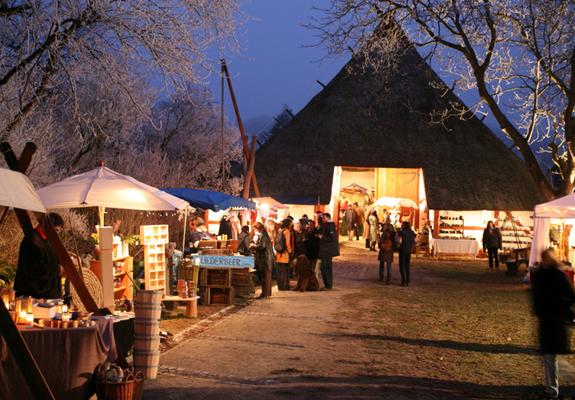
<point>143,328</point>
<point>146,342</point>
<point>147,361</point>
<point>148,304</point>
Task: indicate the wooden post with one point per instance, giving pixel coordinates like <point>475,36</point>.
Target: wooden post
<point>52,235</point>
<point>23,357</point>
<point>240,126</point>
<point>250,170</point>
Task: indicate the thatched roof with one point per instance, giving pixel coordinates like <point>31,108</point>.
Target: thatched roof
<point>360,120</point>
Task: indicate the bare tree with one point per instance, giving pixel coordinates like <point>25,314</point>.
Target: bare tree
<point>518,56</point>
<point>48,46</point>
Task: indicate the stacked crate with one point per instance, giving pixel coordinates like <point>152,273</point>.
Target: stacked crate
<point>215,286</point>
<point>242,284</point>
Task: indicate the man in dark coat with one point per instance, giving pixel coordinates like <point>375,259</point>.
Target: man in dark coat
<point>244,241</point>
<point>552,300</point>
<point>407,238</point>
<point>492,242</point>
<point>264,258</point>
<point>38,273</point>
<point>328,248</point>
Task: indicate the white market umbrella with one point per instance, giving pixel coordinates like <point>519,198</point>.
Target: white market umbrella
<point>105,188</point>
<point>394,202</point>
<point>17,191</point>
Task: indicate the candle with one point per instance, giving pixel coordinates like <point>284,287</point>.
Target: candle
<point>29,305</point>
<point>30,319</point>
<point>65,308</point>
<point>22,317</point>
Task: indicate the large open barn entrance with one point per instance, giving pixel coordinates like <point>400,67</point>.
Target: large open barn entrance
<point>397,192</point>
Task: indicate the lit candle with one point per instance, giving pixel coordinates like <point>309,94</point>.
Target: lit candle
<point>22,317</point>
<point>29,305</point>
<point>65,308</point>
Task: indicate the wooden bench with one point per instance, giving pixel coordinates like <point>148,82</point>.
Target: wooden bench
<point>191,304</point>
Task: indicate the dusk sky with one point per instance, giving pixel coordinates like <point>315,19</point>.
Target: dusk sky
<point>275,66</point>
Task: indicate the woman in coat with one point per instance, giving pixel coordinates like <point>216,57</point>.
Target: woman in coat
<point>283,257</point>
<point>492,242</point>
<point>552,300</point>
<point>385,255</point>
<point>373,226</point>
<point>264,257</point>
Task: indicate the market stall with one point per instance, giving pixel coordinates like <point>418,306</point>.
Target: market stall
<point>224,279</point>
<point>459,247</point>
<point>105,188</point>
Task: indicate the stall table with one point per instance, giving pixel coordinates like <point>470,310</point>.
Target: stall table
<point>458,247</point>
<point>66,357</point>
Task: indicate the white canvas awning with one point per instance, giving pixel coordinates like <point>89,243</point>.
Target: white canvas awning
<point>16,191</point>
<point>102,187</point>
<point>563,207</point>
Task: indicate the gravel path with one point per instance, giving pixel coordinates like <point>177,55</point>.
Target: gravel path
<point>362,340</point>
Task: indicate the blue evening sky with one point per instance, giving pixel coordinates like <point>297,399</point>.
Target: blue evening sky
<point>276,66</point>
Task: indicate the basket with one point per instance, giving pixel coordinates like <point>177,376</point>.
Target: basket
<point>138,386</point>
<point>116,391</point>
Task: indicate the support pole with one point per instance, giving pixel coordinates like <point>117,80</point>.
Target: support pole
<point>240,126</point>
<point>250,171</point>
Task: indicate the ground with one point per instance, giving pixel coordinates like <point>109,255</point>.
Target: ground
<point>460,331</point>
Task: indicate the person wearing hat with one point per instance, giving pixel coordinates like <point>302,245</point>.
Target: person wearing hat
<point>38,273</point>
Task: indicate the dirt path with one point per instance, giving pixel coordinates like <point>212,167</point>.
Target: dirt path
<point>459,332</point>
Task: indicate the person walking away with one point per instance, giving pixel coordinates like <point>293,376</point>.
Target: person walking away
<point>244,241</point>
<point>359,220</point>
<point>350,222</point>
<point>328,248</point>
<point>264,258</point>
<point>312,244</point>
<point>407,239</point>
<point>282,246</point>
<point>373,226</point>
<point>552,300</point>
<point>492,243</point>
<point>385,255</point>
<point>38,272</point>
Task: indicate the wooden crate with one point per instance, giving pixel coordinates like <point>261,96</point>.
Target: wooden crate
<point>241,277</point>
<point>216,296</point>
<point>219,277</point>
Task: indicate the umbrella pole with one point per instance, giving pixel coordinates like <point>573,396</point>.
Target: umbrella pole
<point>184,235</point>
<point>101,211</point>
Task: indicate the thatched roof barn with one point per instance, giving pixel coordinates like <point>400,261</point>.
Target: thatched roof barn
<point>368,120</point>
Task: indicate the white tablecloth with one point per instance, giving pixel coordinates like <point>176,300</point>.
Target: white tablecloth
<point>459,246</point>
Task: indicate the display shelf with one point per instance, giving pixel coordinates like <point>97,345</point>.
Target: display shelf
<point>154,238</point>
<point>451,227</point>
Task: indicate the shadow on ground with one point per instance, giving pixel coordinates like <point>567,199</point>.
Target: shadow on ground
<point>349,387</point>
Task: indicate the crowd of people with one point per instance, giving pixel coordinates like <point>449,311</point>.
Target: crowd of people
<point>292,248</point>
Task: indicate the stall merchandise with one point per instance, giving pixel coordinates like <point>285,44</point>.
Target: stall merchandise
<point>154,238</point>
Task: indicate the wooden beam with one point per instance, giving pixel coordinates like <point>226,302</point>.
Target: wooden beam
<point>240,126</point>
<point>250,171</point>
<point>23,357</point>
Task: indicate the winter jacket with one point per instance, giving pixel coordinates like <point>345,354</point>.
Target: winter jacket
<point>329,243</point>
<point>244,244</point>
<point>388,235</point>
<point>492,238</point>
<point>264,252</point>
<point>407,240</point>
<point>38,273</point>
<point>312,244</point>
<point>552,300</point>
<point>284,257</point>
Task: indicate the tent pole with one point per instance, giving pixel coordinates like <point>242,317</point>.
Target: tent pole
<point>101,211</point>
<point>184,235</point>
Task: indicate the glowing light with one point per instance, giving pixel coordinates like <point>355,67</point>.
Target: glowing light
<point>265,207</point>
<point>133,195</point>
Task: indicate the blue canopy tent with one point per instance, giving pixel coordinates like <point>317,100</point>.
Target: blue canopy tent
<point>207,199</point>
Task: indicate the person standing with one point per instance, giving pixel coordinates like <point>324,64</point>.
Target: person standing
<point>283,248</point>
<point>552,300</point>
<point>359,220</point>
<point>373,227</point>
<point>328,248</point>
<point>385,255</point>
<point>312,244</point>
<point>244,241</point>
<point>350,222</point>
<point>407,241</point>
<point>492,243</point>
<point>38,272</point>
<point>264,258</point>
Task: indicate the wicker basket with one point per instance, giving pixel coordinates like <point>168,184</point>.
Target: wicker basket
<point>138,386</point>
<point>116,391</point>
